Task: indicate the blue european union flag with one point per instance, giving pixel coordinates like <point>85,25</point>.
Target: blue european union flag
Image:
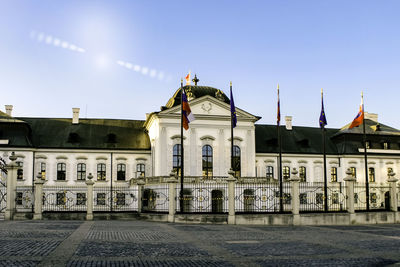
<point>233,111</point>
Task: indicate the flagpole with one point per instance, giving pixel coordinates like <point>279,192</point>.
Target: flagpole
<point>280,157</point>
<point>231,131</point>
<point>182,175</point>
<point>324,151</point>
<point>365,155</point>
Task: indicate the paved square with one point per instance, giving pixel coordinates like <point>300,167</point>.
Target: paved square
<point>140,243</point>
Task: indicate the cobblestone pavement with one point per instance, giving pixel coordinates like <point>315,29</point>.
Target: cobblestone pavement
<point>140,243</point>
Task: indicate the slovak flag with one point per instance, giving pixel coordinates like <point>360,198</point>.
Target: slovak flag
<point>187,114</point>
<point>187,78</point>
<point>359,119</point>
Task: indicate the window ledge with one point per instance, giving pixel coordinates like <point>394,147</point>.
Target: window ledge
<point>21,180</point>
<point>60,181</point>
<point>120,181</point>
<point>79,181</point>
<point>101,181</point>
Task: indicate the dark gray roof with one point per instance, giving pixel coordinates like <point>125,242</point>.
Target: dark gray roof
<point>88,134</point>
<point>197,91</point>
<point>302,140</point>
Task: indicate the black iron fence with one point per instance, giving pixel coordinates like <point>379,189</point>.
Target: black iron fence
<point>64,198</point>
<point>203,196</point>
<point>312,197</point>
<point>155,198</point>
<point>115,199</point>
<point>3,191</point>
<point>379,197</point>
<point>24,198</point>
<point>262,197</point>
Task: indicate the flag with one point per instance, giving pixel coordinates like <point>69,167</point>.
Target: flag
<point>278,116</point>
<point>187,78</point>
<point>186,112</point>
<point>322,117</point>
<point>359,119</point>
<point>233,111</point>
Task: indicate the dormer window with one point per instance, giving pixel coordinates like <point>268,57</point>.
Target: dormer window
<point>385,145</point>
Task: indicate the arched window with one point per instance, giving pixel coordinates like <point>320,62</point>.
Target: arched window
<point>121,171</point>
<point>140,170</point>
<point>81,171</point>
<point>61,169</point>
<point>101,172</point>
<point>176,159</point>
<point>207,154</point>
<point>302,174</point>
<point>236,161</point>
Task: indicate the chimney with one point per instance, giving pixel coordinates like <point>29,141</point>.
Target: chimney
<point>75,115</point>
<point>288,120</point>
<point>9,109</point>
<point>371,116</point>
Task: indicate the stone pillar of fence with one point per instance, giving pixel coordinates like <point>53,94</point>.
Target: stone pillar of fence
<point>231,197</point>
<point>349,182</point>
<point>140,184</point>
<point>11,186</point>
<point>89,211</point>
<point>393,191</point>
<point>38,210</point>
<point>172,196</point>
<point>295,196</point>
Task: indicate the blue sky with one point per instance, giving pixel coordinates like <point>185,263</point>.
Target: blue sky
<point>343,46</point>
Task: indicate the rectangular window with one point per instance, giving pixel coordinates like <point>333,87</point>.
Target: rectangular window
<point>81,171</point>
<point>371,174</point>
<point>386,145</point>
<point>320,198</point>
<point>101,199</point>
<point>373,198</point>
<point>43,170</point>
<point>61,171</point>
<point>270,172</point>
<point>121,172</point>
<point>286,172</point>
<point>80,198</point>
<point>20,170</point>
<point>101,172</point>
<point>303,198</point>
<point>333,174</point>
<point>19,198</point>
<point>61,198</point>
<point>302,174</point>
<point>335,198</point>
<point>120,199</point>
<point>140,170</point>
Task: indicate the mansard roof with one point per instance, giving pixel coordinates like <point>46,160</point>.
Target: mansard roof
<point>299,140</point>
<point>196,91</point>
<point>87,134</point>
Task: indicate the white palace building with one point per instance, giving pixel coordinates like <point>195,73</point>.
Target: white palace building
<point>114,151</point>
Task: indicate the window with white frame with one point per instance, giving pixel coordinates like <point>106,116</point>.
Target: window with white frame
<point>302,174</point>
<point>207,161</point>
<point>61,171</point>
<point>101,172</point>
<point>121,172</point>
<point>269,172</point>
<point>141,170</point>
<point>43,170</point>
<point>81,171</point>
<point>333,174</point>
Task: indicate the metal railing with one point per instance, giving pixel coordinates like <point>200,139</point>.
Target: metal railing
<point>378,197</point>
<point>64,198</point>
<point>119,198</point>
<point>262,197</point>
<point>201,197</point>
<point>312,197</point>
<point>155,198</point>
<point>24,198</point>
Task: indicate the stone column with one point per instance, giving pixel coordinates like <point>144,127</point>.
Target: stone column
<point>393,191</point>
<point>140,184</point>
<point>89,199</point>
<point>38,197</point>
<point>349,182</point>
<point>172,196</point>
<point>231,197</point>
<point>11,187</point>
<point>295,196</point>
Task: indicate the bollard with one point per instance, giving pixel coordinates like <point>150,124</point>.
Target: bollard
<point>172,196</point>
<point>38,197</point>
<point>231,197</point>
<point>89,199</point>
<point>11,186</point>
<point>295,196</point>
